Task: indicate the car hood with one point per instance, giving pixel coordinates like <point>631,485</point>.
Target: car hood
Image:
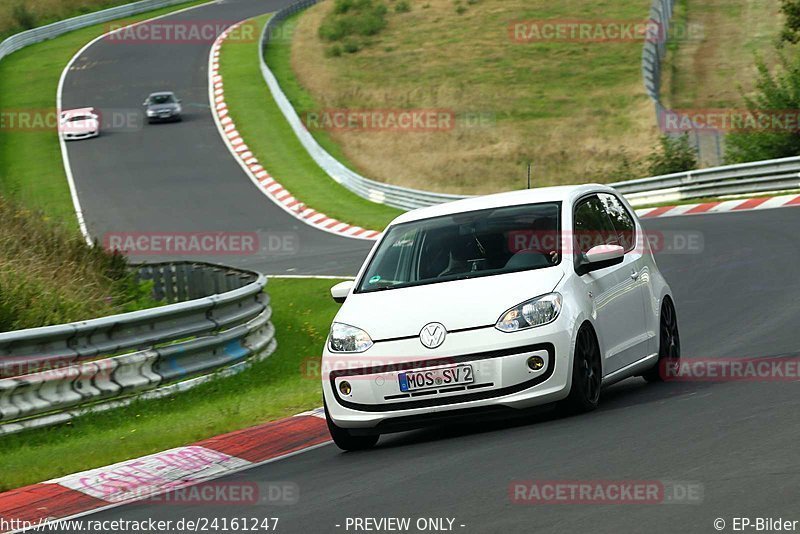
<point>457,304</point>
<point>81,126</point>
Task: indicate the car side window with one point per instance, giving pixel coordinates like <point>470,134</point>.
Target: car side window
<point>621,219</point>
<point>592,225</point>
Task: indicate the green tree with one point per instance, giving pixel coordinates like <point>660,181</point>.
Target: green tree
<point>791,28</point>
<point>673,154</point>
<point>779,93</point>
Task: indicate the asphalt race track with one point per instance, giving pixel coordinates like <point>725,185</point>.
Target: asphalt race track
<point>179,177</point>
<point>738,297</point>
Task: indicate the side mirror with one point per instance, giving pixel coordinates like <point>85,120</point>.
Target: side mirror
<point>600,257</point>
<point>340,291</point>
<point>144,103</point>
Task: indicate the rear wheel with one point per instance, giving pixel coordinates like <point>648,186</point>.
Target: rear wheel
<point>587,374</point>
<point>347,441</point>
<point>669,345</point>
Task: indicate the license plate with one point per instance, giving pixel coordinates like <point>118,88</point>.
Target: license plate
<point>436,378</point>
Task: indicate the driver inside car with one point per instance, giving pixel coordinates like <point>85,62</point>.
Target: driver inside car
<point>466,254</point>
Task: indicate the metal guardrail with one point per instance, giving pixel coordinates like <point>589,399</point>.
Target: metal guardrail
<point>391,195</point>
<point>218,321</point>
<point>43,33</point>
<point>654,51</point>
<point>742,179</point>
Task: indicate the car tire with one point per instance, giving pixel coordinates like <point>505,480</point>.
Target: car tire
<point>669,345</point>
<point>587,374</point>
<point>347,441</point>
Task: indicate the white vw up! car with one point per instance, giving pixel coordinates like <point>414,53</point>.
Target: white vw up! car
<point>503,301</point>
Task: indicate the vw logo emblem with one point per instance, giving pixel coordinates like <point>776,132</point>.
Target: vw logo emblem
<point>432,335</point>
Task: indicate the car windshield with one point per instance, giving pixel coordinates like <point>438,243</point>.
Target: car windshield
<point>466,245</point>
<point>162,99</point>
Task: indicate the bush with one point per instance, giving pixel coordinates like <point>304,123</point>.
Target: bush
<point>674,154</point>
<point>24,17</point>
<point>402,7</point>
<point>791,28</point>
<point>353,20</point>
<point>779,93</point>
<point>333,51</point>
<point>49,275</point>
<point>351,46</point>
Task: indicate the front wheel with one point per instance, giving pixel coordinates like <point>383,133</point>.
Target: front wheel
<point>587,374</point>
<point>347,441</point>
<point>669,345</point>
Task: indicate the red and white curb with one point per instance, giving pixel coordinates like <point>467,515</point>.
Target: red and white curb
<point>722,206</point>
<point>150,476</point>
<point>254,169</point>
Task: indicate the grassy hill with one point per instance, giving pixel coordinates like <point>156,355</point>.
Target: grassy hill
<point>576,109</point>
<point>19,15</point>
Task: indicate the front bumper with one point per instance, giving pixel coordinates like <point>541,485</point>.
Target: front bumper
<point>79,136</point>
<point>164,118</point>
<point>502,378</point>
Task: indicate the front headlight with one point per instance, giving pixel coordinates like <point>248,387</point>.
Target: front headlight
<point>346,338</point>
<point>534,312</point>
<point>151,113</point>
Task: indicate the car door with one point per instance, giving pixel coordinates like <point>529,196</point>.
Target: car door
<point>616,295</point>
<point>635,266</point>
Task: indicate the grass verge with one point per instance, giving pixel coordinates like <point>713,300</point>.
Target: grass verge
<point>272,389</point>
<point>31,170</point>
<point>261,123</point>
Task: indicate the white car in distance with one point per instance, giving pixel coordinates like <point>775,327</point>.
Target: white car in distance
<point>75,124</point>
<point>491,303</point>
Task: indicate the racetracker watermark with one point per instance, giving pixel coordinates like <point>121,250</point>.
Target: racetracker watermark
<point>180,32</point>
<point>733,370</point>
<point>215,493</point>
<point>202,243</point>
<point>538,492</point>
<point>372,368</point>
<point>600,31</point>
<point>70,121</point>
<point>665,242</point>
<point>54,369</point>
<point>377,120</point>
<point>729,120</point>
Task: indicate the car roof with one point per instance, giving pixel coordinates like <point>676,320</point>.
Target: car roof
<point>163,93</point>
<point>566,194</point>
